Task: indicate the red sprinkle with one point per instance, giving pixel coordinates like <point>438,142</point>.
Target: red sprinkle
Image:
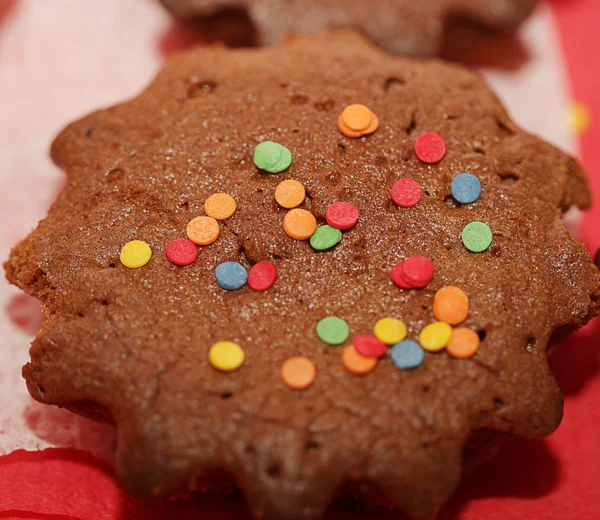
<point>182,251</point>
<point>430,147</point>
<point>369,346</point>
<point>414,273</point>
<point>397,275</point>
<point>262,276</point>
<point>406,193</point>
<point>341,215</point>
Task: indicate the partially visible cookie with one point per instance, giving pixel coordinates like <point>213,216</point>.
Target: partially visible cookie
<point>410,27</point>
<point>372,325</point>
<point>597,258</point>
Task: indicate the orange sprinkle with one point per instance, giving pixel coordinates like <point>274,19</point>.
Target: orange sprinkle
<point>202,230</point>
<point>298,373</point>
<point>299,224</point>
<point>289,194</point>
<point>355,363</point>
<point>220,206</point>
<point>464,343</point>
<point>357,121</point>
<point>451,305</point>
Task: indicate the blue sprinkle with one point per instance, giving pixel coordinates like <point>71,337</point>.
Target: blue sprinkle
<point>466,188</point>
<point>407,354</point>
<point>231,275</point>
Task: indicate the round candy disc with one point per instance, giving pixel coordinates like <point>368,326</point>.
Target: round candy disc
<point>435,336</point>
<point>231,275</point>
<point>357,121</point>
<point>325,237</point>
<point>272,157</point>
<point>341,215</point>
<point>407,354</point>
<point>464,343</point>
<point>414,273</point>
<point>299,224</point>
<point>226,356</point>
<point>466,188</point>
<point>430,147</point>
<point>298,373</point>
<point>477,237</point>
<point>182,251</point>
<point>406,193</point>
<point>333,330</point>
<point>357,117</point>
<point>355,363</point>
<point>289,194</point>
<point>369,346</point>
<point>135,254</point>
<point>390,330</point>
<point>220,206</point>
<point>262,276</point>
<point>451,305</point>
<point>202,230</point>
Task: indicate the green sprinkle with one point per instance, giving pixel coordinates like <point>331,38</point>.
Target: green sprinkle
<point>272,157</point>
<point>325,237</point>
<point>477,237</point>
<point>333,330</point>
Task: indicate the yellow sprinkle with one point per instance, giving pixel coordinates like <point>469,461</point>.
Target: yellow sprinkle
<point>579,117</point>
<point>226,356</point>
<point>390,330</point>
<point>135,254</point>
<point>435,336</point>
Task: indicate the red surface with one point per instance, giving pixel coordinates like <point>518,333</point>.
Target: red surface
<point>406,193</point>
<point>553,479</point>
<point>430,148</point>
<point>262,276</point>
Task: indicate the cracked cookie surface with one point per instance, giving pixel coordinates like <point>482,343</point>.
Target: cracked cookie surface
<point>135,341</point>
<point>414,28</point>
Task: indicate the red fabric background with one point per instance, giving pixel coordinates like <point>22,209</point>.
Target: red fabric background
<point>552,479</point>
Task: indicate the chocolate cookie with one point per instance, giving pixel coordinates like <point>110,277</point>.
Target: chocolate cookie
<point>260,355</point>
<point>415,28</point>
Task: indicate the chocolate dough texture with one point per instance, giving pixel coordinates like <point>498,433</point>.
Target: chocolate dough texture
<point>131,345</point>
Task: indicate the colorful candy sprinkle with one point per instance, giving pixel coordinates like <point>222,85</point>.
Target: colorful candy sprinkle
<point>406,193</point>
<point>451,305</point>
<point>325,237</point>
<point>203,230</point>
<point>135,254</point>
<point>430,148</point>
<point>464,343</point>
<point>390,330</point>
<point>579,117</point>
<point>407,354</point>
<point>477,237</point>
<point>231,275</point>
<point>262,276</point>
<point>298,372</point>
<point>181,251</point>
<point>226,356</point>
<point>355,363</point>
<point>357,121</point>
<point>272,157</point>
<point>220,206</point>
<point>299,224</point>
<point>369,346</point>
<point>333,330</point>
<point>466,188</point>
<point>289,194</point>
<point>414,273</point>
<point>435,336</point>
<point>341,215</point>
